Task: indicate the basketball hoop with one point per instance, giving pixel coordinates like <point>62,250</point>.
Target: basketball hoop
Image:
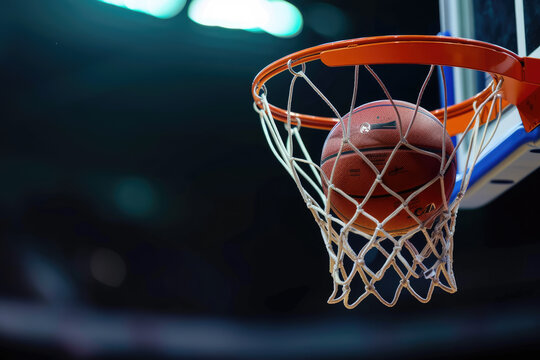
<point>418,258</point>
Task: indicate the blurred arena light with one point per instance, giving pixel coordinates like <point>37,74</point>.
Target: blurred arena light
<point>93,333</point>
<point>276,17</point>
<point>49,281</point>
<point>163,9</point>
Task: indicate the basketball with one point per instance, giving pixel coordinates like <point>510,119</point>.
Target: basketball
<point>375,132</point>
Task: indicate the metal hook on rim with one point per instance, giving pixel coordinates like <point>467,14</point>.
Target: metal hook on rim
<point>262,93</point>
<point>300,73</point>
<point>264,90</point>
<point>259,104</point>
<point>257,108</point>
<point>289,125</point>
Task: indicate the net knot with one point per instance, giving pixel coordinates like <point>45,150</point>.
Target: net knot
<point>404,283</point>
<point>430,274</point>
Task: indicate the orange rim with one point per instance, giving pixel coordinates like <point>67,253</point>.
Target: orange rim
<point>520,75</point>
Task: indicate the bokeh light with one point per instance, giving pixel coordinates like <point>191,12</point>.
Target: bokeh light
<point>107,267</point>
<point>279,18</point>
<point>135,197</point>
<point>283,19</point>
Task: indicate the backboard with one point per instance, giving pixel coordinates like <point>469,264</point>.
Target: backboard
<point>513,154</point>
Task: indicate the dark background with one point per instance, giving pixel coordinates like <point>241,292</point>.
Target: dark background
<point>142,214</point>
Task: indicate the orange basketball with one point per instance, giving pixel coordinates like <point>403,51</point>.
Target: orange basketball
<point>375,133</point>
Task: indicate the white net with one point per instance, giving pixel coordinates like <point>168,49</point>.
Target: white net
<point>379,263</point>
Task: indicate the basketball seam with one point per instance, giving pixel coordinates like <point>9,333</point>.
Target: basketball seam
<point>357,110</point>
<point>400,192</point>
<point>428,114</point>
<point>435,151</point>
<point>388,194</point>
